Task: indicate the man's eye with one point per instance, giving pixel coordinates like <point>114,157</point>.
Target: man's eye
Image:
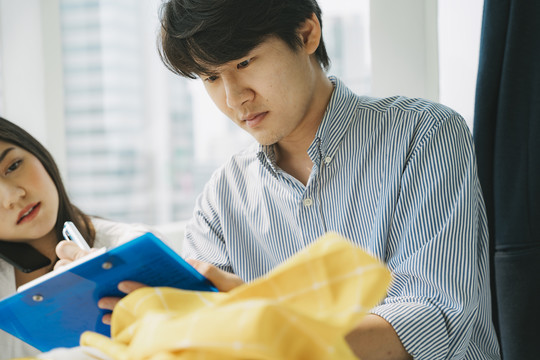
<point>211,79</point>
<point>243,64</point>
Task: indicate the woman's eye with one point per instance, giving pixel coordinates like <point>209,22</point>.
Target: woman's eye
<point>243,64</point>
<point>14,166</point>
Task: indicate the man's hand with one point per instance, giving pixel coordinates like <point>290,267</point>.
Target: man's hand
<point>375,339</point>
<point>67,252</point>
<point>109,302</point>
<point>222,280</point>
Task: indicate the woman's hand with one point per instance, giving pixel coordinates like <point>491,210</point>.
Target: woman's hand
<point>67,252</point>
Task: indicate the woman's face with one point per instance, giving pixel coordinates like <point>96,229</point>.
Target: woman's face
<point>28,196</point>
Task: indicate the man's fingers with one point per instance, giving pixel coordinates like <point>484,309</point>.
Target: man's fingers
<point>106,319</point>
<point>222,280</point>
<point>109,302</point>
<point>129,286</point>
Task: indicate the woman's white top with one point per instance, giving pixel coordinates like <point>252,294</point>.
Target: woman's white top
<point>108,234</point>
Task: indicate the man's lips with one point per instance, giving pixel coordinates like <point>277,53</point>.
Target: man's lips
<point>254,119</point>
<point>28,213</point>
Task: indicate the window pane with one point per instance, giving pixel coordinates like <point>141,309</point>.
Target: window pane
<point>1,85</point>
<point>141,141</point>
<point>346,36</point>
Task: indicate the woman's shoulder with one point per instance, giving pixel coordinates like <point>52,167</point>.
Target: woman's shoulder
<point>111,233</point>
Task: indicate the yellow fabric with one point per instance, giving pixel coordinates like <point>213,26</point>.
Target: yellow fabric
<point>300,310</point>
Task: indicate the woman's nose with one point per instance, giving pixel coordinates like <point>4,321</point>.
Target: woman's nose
<point>10,195</point>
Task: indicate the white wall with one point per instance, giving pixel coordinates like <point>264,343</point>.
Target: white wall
<point>459,48</point>
<point>427,48</point>
<point>404,48</point>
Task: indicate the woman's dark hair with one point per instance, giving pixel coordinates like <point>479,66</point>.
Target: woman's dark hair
<point>199,34</point>
<point>17,136</point>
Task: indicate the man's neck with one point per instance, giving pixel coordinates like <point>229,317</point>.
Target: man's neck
<point>292,152</point>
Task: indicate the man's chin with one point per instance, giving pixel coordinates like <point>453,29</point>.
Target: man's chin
<point>263,139</point>
<point>266,142</point>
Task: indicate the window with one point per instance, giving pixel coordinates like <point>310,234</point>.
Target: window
<point>1,86</point>
<point>141,141</point>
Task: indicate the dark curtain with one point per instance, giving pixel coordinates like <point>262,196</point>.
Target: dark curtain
<point>507,139</point>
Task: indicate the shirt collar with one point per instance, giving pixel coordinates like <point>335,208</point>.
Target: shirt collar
<point>267,157</point>
<point>341,110</point>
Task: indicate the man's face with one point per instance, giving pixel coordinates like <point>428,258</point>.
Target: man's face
<point>269,93</point>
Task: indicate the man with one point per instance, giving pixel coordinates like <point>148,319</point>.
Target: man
<point>396,176</point>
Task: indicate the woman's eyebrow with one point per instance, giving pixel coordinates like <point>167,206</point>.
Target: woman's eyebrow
<point>4,153</point>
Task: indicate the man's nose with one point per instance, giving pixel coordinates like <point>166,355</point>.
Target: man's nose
<point>10,194</point>
<point>237,93</point>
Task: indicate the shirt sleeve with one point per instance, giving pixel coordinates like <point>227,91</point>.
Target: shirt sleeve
<point>204,236</point>
<point>439,242</point>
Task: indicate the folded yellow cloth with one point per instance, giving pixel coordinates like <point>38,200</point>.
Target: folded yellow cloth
<point>300,310</point>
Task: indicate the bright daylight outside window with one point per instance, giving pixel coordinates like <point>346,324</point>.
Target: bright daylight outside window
<point>1,84</point>
<point>141,142</point>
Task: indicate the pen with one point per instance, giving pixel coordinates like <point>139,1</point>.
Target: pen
<point>71,233</point>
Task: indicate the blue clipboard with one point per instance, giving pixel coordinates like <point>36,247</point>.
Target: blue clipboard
<point>55,312</point>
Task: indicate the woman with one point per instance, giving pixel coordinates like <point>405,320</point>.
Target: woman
<point>33,208</point>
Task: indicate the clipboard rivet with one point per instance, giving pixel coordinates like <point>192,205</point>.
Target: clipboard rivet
<point>107,265</point>
<point>37,298</point>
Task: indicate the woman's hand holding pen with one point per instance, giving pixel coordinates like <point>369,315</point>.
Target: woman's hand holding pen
<point>67,252</point>
<point>73,248</point>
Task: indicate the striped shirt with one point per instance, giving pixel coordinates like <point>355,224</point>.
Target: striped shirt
<point>397,176</point>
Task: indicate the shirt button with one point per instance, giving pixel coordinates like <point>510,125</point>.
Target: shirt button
<point>327,160</point>
<point>308,202</point>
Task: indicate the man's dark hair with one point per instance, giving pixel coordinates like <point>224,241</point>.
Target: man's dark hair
<point>197,35</point>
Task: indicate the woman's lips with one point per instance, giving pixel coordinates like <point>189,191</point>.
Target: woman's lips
<point>29,213</point>
<point>255,119</point>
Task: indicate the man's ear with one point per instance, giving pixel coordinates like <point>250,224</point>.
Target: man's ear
<point>310,34</point>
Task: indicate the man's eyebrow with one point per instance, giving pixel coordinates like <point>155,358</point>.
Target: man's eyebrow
<point>5,152</point>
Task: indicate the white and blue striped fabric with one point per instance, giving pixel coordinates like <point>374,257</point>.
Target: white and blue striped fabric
<point>397,176</point>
